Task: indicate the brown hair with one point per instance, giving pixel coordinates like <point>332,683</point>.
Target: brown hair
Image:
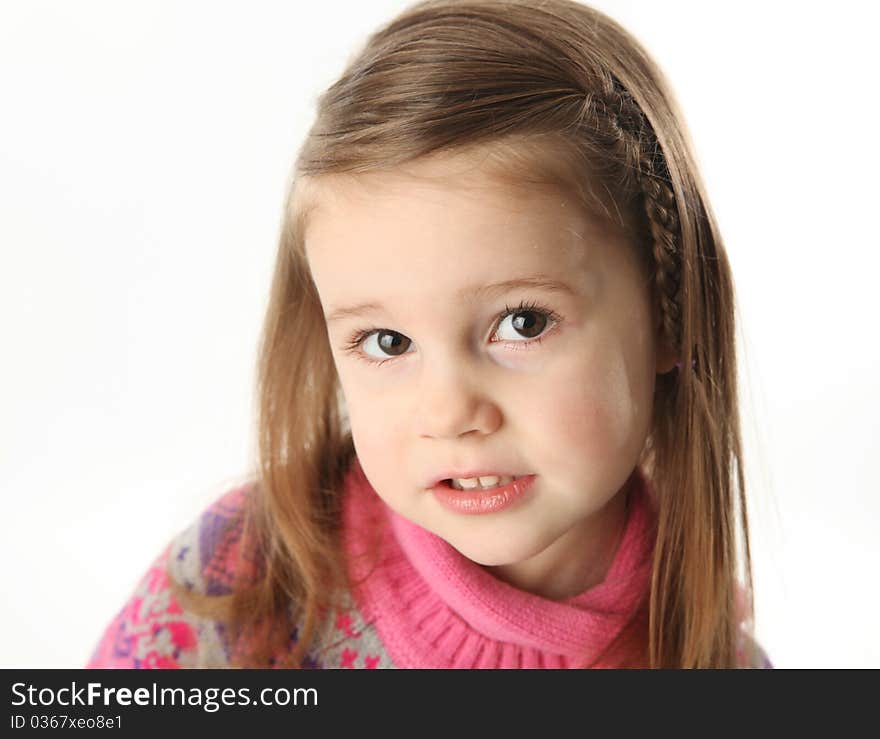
<point>551,91</point>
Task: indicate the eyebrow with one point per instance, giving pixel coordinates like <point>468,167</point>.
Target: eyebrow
<point>472,292</point>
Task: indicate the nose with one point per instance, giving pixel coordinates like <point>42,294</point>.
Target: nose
<point>452,402</point>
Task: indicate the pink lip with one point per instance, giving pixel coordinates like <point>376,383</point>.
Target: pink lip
<point>482,501</point>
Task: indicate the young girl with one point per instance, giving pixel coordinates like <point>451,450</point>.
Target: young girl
<point>498,410</point>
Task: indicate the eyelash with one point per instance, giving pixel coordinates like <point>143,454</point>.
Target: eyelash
<point>357,338</point>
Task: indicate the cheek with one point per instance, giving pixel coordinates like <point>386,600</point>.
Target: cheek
<point>597,411</point>
<point>373,433</point>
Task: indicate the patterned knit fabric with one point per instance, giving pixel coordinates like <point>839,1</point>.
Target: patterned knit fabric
<point>418,602</point>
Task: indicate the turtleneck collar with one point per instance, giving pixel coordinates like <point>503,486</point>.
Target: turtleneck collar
<point>433,607</point>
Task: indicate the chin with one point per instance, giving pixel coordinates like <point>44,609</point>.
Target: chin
<point>491,555</point>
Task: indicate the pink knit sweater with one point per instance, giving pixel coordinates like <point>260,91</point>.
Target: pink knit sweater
<point>415,602</point>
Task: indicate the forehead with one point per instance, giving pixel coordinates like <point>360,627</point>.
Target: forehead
<point>417,235</point>
<point>456,198</point>
<point>424,229</point>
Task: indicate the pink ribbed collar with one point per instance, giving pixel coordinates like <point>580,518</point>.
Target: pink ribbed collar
<point>433,607</point>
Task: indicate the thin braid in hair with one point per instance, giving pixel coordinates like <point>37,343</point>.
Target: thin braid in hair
<point>631,134</point>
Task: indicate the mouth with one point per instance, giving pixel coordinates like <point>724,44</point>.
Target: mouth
<point>490,499</point>
<point>483,482</point>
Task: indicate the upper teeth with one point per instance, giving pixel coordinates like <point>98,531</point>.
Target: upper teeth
<point>471,483</point>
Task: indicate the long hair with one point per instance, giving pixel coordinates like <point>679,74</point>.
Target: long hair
<point>549,91</point>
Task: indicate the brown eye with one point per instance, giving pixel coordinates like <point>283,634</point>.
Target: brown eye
<point>527,323</point>
<point>391,344</point>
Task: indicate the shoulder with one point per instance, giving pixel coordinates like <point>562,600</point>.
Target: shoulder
<point>153,629</point>
<point>204,557</point>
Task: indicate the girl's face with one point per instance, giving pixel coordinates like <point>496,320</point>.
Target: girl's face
<point>477,327</point>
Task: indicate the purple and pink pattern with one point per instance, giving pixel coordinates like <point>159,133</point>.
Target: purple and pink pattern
<point>151,630</point>
<point>154,631</point>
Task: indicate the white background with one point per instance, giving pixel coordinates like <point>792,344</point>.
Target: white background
<point>144,151</point>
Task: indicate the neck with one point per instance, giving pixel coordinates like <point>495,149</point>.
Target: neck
<point>576,561</point>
